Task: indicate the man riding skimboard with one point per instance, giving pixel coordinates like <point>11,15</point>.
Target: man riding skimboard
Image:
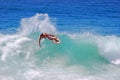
<point>50,37</point>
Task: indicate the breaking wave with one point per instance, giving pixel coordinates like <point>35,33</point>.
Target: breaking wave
<point>74,56</point>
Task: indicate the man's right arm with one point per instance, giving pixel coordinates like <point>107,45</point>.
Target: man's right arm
<point>39,40</point>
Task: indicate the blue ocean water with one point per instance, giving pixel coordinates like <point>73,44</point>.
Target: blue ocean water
<point>89,34</point>
<point>72,15</point>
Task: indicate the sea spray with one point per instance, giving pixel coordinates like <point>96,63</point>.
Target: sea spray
<point>38,23</point>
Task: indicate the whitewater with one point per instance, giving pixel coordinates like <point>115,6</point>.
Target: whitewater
<point>80,56</point>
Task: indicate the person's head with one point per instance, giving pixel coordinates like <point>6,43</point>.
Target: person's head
<point>44,35</point>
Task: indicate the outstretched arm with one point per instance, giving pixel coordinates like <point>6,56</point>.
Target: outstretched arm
<point>39,40</point>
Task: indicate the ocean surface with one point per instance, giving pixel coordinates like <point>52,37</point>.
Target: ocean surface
<point>89,31</point>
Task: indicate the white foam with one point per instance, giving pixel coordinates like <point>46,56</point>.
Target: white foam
<point>37,23</point>
<point>109,47</point>
<point>117,62</point>
<point>48,73</point>
<point>22,40</point>
<point>5,77</point>
<point>32,74</point>
<point>11,44</point>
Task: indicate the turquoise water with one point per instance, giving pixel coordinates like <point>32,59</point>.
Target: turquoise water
<point>89,34</point>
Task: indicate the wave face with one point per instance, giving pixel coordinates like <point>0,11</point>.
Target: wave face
<point>80,56</point>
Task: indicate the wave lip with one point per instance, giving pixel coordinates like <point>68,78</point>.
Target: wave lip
<point>37,23</point>
<point>109,47</point>
<point>11,45</point>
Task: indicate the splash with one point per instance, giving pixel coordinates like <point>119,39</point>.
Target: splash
<point>38,23</point>
<point>109,47</point>
<point>13,44</point>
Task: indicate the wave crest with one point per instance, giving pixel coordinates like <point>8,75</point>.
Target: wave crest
<point>37,23</point>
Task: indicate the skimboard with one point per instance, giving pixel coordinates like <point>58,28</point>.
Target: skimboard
<point>57,42</point>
